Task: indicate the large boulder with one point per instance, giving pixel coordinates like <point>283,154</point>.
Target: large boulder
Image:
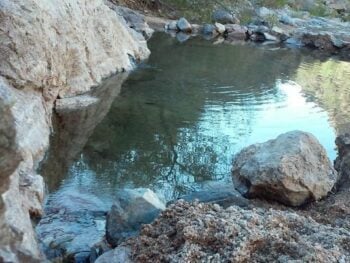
<point>131,209</point>
<point>292,169</point>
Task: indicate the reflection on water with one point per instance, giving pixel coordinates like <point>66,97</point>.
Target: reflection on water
<point>182,116</point>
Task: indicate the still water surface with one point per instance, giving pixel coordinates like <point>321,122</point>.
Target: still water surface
<point>182,116</point>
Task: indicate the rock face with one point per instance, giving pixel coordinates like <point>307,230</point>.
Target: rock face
<point>48,49</point>
<point>132,208</point>
<point>292,169</point>
<point>207,233</point>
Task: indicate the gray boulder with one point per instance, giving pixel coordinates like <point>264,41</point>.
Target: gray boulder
<point>292,169</point>
<point>209,29</point>
<point>236,32</point>
<point>131,209</point>
<point>183,25</point>
<point>224,17</point>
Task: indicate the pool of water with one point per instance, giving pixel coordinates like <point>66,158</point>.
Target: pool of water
<point>180,118</point>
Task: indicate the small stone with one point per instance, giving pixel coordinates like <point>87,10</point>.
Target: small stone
<point>183,25</point>
<point>220,28</point>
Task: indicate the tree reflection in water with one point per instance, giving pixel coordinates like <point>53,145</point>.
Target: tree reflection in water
<point>182,115</point>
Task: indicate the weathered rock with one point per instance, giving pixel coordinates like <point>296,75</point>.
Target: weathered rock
<point>292,169</point>
<point>220,28</point>
<point>224,17</point>
<point>207,233</point>
<point>48,49</point>
<point>236,32</point>
<point>183,25</point>
<point>182,37</point>
<point>132,208</point>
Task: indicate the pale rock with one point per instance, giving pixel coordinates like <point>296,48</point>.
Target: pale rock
<point>220,28</point>
<point>292,169</point>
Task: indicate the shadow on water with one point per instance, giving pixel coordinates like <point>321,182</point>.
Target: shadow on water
<point>177,123</point>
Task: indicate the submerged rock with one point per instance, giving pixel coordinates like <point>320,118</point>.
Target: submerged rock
<point>131,209</point>
<point>207,233</point>
<point>292,169</point>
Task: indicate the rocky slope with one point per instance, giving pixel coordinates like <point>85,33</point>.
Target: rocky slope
<point>49,49</point>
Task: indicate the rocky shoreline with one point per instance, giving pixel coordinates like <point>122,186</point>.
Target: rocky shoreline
<point>49,57</point>
<point>281,26</point>
<point>259,231</point>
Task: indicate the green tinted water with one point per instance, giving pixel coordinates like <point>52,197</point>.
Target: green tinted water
<point>182,116</point>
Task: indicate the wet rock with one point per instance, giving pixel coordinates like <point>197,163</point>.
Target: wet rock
<point>209,29</point>
<point>236,32</point>
<point>342,163</point>
<point>172,25</point>
<point>220,28</point>
<point>121,254</point>
<point>224,17</point>
<point>183,25</point>
<point>292,169</point>
<point>73,223</point>
<point>207,233</point>
<point>131,209</point>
